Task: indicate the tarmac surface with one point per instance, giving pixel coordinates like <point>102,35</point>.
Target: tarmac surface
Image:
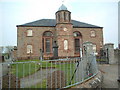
<point>110,73</point>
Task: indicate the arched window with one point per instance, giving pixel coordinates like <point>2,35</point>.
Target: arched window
<point>64,16</point>
<point>29,49</point>
<point>65,44</point>
<point>58,17</point>
<point>47,42</point>
<point>69,17</point>
<point>77,41</point>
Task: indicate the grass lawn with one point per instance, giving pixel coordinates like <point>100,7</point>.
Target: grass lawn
<point>68,69</point>
<point>98,60</point>
<point>25,69</point>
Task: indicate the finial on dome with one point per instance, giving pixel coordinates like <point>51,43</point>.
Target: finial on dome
<point>62,1</point>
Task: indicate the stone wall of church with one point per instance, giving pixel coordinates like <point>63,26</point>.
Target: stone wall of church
<point>36,41</point>
<point>86,36</point>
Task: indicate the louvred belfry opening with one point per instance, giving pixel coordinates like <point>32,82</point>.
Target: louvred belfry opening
<point>63,15</point>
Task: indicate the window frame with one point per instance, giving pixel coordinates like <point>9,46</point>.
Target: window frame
<point>92,33</point>
<point>29,49</point>
<point>44,38</point>
<point>80,41</point>
<point>66,43</point>
<point>30,32</point>
<point>64,16</point>
<point>76,46</point>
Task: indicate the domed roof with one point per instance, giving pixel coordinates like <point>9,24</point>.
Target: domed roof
<point>62,7</point>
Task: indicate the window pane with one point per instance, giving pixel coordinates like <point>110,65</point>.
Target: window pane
<point>43,44</point>
<point>48,45</point>
<point>92,33</point>
<point>76,34</point>
<point>77,45</point>
<point>47,34</point>
<point>29,32</point>
<point>65,44</point>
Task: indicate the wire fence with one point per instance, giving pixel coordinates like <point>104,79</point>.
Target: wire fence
<point>59,73</point>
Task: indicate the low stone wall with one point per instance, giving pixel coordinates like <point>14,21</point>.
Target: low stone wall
<point>116,55</point>
<point>94,82</point>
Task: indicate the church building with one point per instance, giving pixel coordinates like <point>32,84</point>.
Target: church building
<point>67,33</point>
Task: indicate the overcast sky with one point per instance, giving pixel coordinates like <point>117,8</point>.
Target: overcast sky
<point>102,13</point>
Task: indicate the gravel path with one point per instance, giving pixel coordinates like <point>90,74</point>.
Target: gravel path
<point>110,73</point>
<point>35,78</point>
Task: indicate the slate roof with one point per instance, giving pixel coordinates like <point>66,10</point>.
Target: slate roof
<point>52,23</point>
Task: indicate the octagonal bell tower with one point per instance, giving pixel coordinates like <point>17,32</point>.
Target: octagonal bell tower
<point>64,32</point>
<point>63,15</point>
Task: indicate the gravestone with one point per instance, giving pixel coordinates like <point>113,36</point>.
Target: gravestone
<point>55,50</point>
<point>41,54</point>
<point>56,80</point>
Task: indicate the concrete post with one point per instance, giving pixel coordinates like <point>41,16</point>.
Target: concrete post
<point>109,49</point>
<point>88,48</point>
<point>89,58</point>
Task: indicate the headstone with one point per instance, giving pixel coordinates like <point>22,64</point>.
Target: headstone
<point>55,50</point>
<point>14,52</point>
<point>41,54</point>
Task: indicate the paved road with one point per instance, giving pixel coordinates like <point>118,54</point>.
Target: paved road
<point>35,78</point>
<point>110,73</point>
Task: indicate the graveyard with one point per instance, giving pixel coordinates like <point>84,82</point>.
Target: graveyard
<point>74,72</point>
<point>52,73</point>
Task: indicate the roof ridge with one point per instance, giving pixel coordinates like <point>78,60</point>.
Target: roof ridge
<point>52,22</point>
<point>86,23</point>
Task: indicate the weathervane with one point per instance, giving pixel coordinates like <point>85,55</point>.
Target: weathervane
<point>63,1</point>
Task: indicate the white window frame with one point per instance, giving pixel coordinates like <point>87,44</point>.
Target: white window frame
<point>65,44</point>
<point>29,32</point>
<point>92,33</point>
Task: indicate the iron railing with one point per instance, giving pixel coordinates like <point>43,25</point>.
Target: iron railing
<point>59,73</point>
